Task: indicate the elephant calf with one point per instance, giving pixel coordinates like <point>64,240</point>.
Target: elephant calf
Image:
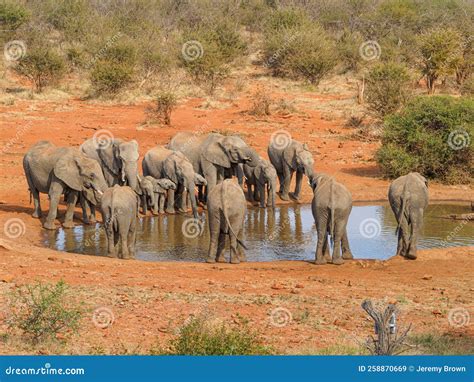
<point>408,197</point>
<point>331,207</point>
<point>226,212</point>
<point>262,179</point>
<point>153,193</point>
<point>119,214</point>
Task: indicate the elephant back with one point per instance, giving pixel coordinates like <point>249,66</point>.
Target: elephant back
<point>189,144</point>
<point>154,159</point>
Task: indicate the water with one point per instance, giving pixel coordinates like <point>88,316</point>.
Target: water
<point>286,233</point>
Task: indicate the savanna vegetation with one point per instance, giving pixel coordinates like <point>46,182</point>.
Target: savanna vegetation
<point>151,47</point>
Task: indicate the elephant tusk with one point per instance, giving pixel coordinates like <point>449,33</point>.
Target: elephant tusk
<point>100,192</point>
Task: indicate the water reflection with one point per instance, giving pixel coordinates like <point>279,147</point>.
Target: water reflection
<point>285,233</point>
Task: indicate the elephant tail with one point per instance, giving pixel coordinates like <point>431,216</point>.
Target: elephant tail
<point>224,211</point>
<point>331,213</point>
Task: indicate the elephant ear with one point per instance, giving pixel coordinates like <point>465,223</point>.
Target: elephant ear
<point>67,169</point>
<point>289,154</point>
<point>128,151</point>
<point>108,157</point>
<point>158,186</point>
<point>216,153</point>
<point>170,168</point>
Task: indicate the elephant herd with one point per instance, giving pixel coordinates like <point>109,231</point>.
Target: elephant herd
<point>105,173</point>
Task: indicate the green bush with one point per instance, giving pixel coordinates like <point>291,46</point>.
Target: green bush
<point>305,52</point>
<point>387,88</point>
<point>432,136</point>
<point>198,337</point>
<point>441,52</point>
<point>12,15</point>
<point>114,69</point>
<point>42,67</point>
<point>42,311</point>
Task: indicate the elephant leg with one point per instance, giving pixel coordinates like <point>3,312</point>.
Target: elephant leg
<point>36,200</point>
<point>85,209</point>
<point>92,218</point>
<point>336,252</point>
<point>144,204</point>
<point>400,245</point>
<point>123,233</point>
<point>170,205</point>
<point>299,180</point>
<point>281,181</point>
<point>220,258</point>
<point>71,205</point>
<point>241,249</point>
<point>161,203</point>
<point>249,192</point>
<point>256,192</point>
<point>55,192</point>
<point>326,251</point>
<point>200,193</point>
<point>346,249</point>
<point>234,253</point>
<point>287,175</point>
<point>111,239</point>
<point>261,193</point>
<point>181,199</point>
<point>322,237</point>
<point>415,223</point>
<point>132,232</point>
<point>213,244</point>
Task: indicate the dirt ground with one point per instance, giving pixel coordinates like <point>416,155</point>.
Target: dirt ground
<point>150,300</point>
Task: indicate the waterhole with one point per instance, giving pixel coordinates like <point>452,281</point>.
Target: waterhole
<point>285,233</point>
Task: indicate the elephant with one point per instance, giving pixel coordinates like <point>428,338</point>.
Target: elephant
<point>212,156</point>
<point>119,162</point>
<point>262,178</point>
<point>331,207</point>
<point>119,209</point>
<point>153,193</point>
<point>408,197</point>
<point>61,170</point>
<point>226,208</point>
<point>287,159</point>
<point>160,162</point>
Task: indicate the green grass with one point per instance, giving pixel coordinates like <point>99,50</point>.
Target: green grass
<point>446,344</point>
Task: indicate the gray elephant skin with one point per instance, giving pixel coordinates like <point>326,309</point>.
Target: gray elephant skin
<point>213,155</point>
<point>331,207</point>
<point>119,209</point>
<point>55,171</point>
<point>287,159</point>
<point>226,213</point>
<point>261,183</point>
<point>408,197</point>
<point>160,162</point>
<point>153,193</point>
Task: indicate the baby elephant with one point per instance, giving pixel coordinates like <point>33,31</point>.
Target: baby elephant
<point>226,208</point>
<point>153,193</point>
<point>262,179</point>
<point>119,213</point>
<point>408,197</point>
<point>331,207</point>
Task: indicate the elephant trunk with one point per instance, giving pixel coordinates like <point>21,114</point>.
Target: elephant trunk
<point>192,195</point>
<point>272,187</point>
<point>130,172</point>
<point>308,170</point>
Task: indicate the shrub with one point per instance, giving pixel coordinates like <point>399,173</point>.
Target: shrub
<point>387,88</point>
<point>42,311</point>
<point>441,53</point>
<point>114,70</point>
<point>261,102</point>
<point>467,87</point>
<point>164,104</point>
<point>301,52</point>
<point>432,136</point>
<point>12,15</point>
<point>198,337</point>
<point>42,67</point>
